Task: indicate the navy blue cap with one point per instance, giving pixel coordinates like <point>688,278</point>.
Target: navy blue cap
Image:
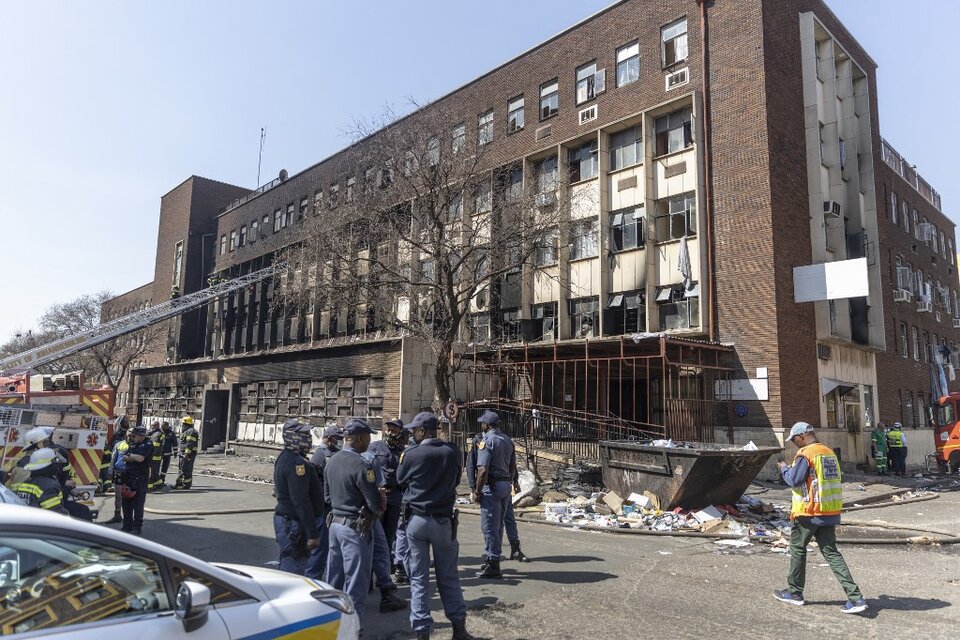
<point>489,417</point>
<point>139,430</point>
<point>356,426</point>
<point>333,431</point>
<point>396,422</point>
<point>423,420</point>
<point>295,425</point>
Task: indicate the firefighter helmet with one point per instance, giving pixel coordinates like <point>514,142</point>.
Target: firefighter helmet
<point>41,459</point>
<point>36,435</point>
<point>188,420</point>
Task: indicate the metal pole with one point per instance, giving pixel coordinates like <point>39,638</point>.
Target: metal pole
<point>263,134</point>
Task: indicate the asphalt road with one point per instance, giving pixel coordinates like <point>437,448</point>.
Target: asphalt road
<point>596,585</point>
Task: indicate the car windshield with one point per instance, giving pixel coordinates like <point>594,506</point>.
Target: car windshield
<point>49,582</point>
<point>9,497</point>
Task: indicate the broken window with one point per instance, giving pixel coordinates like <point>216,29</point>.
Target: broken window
<point>583,162</point>
<point>673,42</point>
<point>676,217</point>
<point>627,229</point>
<point>584,317</point>
<point>674,131</point>
<point>679,308</point>
<point>543,321</point>
<point>584,239</point>
<point>626,313</point>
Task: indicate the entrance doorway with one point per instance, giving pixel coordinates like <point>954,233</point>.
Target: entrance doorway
<point>214,422</point>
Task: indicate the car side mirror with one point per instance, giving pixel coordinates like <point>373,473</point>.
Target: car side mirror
<point>193,604</point>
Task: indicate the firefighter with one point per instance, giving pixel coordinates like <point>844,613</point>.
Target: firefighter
<point>897,444</point>
<point>134,476</point>
<point>189,439</point>
<point>169,449</point>
<point>157,438</point>
<point>34,440</point>
<point>42,489</point>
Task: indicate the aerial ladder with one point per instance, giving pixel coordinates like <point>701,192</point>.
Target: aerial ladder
<point>81,415</point>
<point>113,329</point>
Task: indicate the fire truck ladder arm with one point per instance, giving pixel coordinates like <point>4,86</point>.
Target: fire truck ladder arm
<point>107,331</point>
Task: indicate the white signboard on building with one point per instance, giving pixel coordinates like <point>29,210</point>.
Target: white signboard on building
<point>831,281</point>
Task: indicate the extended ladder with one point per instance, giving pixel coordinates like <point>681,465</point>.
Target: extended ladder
<point>107,331</point>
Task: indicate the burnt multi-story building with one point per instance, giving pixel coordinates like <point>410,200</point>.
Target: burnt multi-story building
<point>723,145</point>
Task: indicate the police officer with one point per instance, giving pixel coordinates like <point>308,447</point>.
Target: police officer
<point>120,426</point>
<point>509,518</point>
<point>137,464</point>
<point>429,472</point>
<point>496,468</point>
<point>169,448</point>
<point>350,485</point>
<point>329,444</point>
<point>189,439</point>
<point>42,489</point>
<point>382,554</point>
<point>387,453</point>
<point>157,438</point>
<point>897,444</point>
<point>299,498</point>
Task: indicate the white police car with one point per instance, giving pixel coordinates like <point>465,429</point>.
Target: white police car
<point>63,578</point>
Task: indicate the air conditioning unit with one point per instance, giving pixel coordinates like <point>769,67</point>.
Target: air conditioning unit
<point>677,79</point>
<point>902,295</point>
<point>924,306</point>
<point>956,323</point>
<point>588,114</point>
<point>823,351</point>
<point>546,199</point>
<point>831,209</point>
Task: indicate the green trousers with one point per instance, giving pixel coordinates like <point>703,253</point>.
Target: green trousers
<point>826,538</point>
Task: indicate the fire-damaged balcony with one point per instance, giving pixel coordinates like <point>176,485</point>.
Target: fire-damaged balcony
<point>569,396</point>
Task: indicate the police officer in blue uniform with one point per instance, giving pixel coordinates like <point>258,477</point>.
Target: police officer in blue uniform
<point>350,486</point>
<point>389,601</point>
<point>509,518</point>
<point>429,473</point>
<point>299,498</point>
<point>496,468</point>
<point>330,439</point>
<point>387,453</point>
<point>137,460</point>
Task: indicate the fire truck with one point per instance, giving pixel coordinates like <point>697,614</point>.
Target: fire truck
<point>947,433</point>
<point>81,415</point>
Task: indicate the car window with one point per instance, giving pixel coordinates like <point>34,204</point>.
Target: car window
<point>9,497</point>
<point>220,593</point>
<point>47,582</point>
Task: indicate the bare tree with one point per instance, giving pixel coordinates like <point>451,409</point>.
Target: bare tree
<point>426,233</point>
<point>108,363</point>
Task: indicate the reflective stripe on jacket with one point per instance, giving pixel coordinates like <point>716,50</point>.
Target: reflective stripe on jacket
<point>822,493</point>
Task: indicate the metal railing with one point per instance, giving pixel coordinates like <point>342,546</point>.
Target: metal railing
<point>253,194</point>
<point>909,173</point>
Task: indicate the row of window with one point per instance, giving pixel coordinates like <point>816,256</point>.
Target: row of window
<point>259,228</point>
<point>626,313</point>
<point>924,231</point>
<point>909,417</point>
<point>925,288</point>
<point>589,81</point>
<point>926,345</point>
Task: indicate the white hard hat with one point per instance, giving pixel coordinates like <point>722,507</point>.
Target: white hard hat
<point>35,435</point>
<point>41,459</point>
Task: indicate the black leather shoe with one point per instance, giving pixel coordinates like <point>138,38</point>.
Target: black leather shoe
<point>516,554</point>
<point>460,631</point>
<point>115,519</point>
<point>390,601</point>
<point>490,569</point>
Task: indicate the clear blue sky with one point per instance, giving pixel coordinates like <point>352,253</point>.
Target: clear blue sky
<point>105,106</point>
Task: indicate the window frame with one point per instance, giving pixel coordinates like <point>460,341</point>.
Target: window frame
<point>638,223</point>
<point>685,127</point>
<point>588,153</point>
<point>617,317</point>
<point>543,251</point>
<point>485,128</point>
<point>551,97</point>
<point>584,236</point>
<point>242,236</point>
<point>626,62</point>
<point>458,139</point>
<point>588,81</point>
<point>223,244</point>
<point>178,264</point>
<point>689,213</point>
<point>664,64</point>
<point>515,124</point>
<point>233,240</point>
<point>636,144</point>
<point>579,315</point>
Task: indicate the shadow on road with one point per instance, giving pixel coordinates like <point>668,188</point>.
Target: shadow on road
<point>890,603</point>
<point>565,559</point>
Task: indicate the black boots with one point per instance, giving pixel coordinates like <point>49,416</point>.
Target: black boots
<point>423,635</point>
<point>490,568</point>
<point>516,554</point>
<point>460,631</point>
<point>390,601</point>
<point>400,575</point>
<point>115,519</point>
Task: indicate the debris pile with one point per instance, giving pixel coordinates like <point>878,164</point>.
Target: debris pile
<point>749,518</point>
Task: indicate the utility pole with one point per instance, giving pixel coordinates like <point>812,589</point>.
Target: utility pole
<point>263,134</point>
